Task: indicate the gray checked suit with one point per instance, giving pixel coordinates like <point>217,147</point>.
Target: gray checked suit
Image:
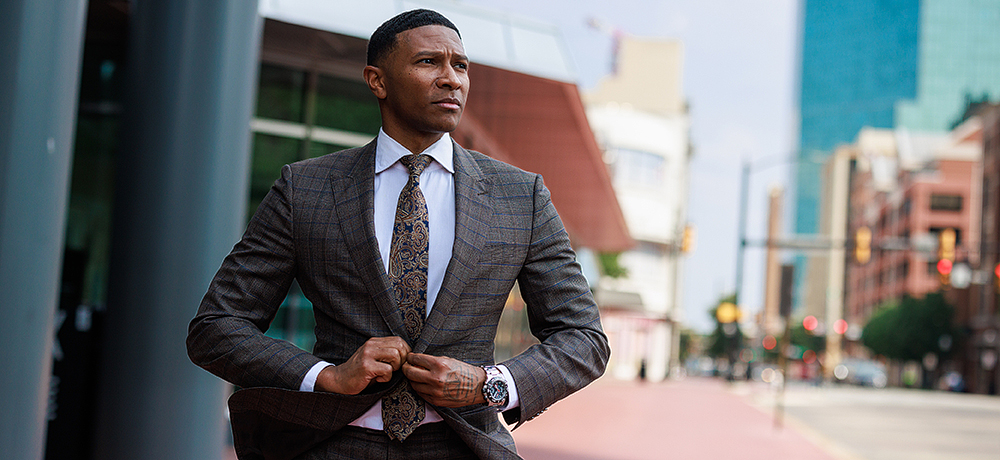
<point>316,226</point>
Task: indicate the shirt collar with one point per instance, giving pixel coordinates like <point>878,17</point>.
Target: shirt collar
<point>388,152</point>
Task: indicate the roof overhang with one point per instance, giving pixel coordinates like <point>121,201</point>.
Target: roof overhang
<point>490,37</point>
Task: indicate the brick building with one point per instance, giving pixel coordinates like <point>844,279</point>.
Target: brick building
<point>907,189</point>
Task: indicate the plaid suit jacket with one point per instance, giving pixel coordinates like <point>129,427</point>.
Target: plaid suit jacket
<point>316,226</point>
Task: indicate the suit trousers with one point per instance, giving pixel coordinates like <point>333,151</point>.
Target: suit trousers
<point>432,441</point>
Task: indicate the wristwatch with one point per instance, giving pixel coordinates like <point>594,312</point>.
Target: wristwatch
<point>495,388</point>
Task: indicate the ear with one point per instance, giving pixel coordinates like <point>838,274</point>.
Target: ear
<point>375,77</point>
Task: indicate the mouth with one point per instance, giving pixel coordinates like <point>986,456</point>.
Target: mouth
<point>449,103</point>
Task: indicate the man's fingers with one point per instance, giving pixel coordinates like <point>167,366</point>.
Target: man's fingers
<point>416,374</point>
<point>391,356</point>
<point>390,350</point>
<point>422,360</point>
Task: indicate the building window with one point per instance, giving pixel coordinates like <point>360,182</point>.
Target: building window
<point>305,114</point>
<point>281,93</point>
<point>637,168</point>
<point>935,232</point>
<point>940,202</point>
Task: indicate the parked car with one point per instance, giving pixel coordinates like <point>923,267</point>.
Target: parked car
<point>861,372</point>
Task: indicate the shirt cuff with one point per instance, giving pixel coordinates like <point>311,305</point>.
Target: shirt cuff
<point>512,399</point>
<point>309,381</point>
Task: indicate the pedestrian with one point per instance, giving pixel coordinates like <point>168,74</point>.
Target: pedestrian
<point>407,248</point>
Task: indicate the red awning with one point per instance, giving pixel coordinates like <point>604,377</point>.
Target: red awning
<point>539,125</point>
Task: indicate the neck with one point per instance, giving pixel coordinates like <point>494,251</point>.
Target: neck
<point>414,142</point>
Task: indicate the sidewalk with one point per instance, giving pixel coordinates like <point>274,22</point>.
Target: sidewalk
<point>690,419</point>
<point>696,418</point>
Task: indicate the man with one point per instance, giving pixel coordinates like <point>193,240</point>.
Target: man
<point>408,248</point>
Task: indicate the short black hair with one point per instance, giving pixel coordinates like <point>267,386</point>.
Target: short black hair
<point>384,38</point>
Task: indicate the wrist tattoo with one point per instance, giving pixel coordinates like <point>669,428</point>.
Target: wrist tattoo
<point>460,385</point>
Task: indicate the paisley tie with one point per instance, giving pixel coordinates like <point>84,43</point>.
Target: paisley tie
<point>402,409</point>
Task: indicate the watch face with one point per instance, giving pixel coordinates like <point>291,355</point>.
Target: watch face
<point>495,391</point>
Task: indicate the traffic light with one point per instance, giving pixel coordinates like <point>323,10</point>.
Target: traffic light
<point>687,240</point>
<point>863,245</point>
<point>996,281</point>
<point>946,244</point>
<point>727,312</point>
<point>944,270</point>
<point>946,255</point>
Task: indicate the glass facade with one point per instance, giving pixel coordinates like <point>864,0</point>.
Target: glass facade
<point>303,113</point>
<point>959,61</point>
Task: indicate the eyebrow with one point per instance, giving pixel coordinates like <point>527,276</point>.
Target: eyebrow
<point>460,56</point>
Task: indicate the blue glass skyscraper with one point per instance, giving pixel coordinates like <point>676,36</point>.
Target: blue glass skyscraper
<point>859,58</point>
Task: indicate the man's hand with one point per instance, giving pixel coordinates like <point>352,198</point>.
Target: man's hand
<point>443,381</point>
<point>375,360</point>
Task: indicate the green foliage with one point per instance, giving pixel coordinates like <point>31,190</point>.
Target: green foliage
<point>807,340</point>
<point>686,341</point>
<point>911,329</point>
<point>800,338</point>
<point>610,266</point>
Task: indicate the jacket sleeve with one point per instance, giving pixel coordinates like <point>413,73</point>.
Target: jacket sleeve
<point>573,350</point>
<point>226,336</point>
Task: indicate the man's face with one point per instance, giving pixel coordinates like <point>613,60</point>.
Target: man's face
<point>425,81</point>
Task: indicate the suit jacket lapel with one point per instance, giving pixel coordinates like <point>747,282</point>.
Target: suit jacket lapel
<point>472,207</point>
<point>354,197</point>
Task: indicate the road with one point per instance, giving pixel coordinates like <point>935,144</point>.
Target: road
<point>857,423</point>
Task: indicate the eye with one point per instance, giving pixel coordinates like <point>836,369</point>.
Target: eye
<point>426,61</point>
<point>462,65</point>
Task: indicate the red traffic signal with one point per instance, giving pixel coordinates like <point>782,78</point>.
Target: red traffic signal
<point>944,266</point>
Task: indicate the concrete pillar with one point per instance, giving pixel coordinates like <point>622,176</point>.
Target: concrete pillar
<point>180,196</point>
<point>41,45</point>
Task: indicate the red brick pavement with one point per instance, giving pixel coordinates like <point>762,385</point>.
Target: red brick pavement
<point>689,419</point>
<point>700,419</point>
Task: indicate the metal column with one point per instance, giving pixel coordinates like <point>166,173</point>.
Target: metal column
<point>180,196</point>
<point>40,44</point>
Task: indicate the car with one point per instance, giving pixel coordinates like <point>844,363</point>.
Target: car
<point>861,372</point>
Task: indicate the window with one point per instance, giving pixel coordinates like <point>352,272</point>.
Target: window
<point>935,232</point>
<point>637,168</point>
<point>346,105</point>
<point>305,114</point>
<point>281,93</point>
<point>940,202</point>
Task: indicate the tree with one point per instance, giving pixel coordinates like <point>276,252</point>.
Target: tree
<point>911,329</point>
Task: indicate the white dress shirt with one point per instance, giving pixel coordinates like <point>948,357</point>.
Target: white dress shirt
<point>437,183</point>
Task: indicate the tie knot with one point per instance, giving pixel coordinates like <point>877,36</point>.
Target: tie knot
<point>416,163</point>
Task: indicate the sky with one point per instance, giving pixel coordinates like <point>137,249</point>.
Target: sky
<point>741,82</point>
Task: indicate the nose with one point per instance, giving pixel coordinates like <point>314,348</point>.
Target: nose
<point>449,78</point>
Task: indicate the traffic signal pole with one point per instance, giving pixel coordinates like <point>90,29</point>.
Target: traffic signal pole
<point>741,248</point>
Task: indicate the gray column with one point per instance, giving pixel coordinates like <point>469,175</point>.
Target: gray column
<point>41,45</point>
<point>181,191</point>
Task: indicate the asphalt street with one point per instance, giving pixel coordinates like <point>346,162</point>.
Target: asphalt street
<point>857,423</point>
